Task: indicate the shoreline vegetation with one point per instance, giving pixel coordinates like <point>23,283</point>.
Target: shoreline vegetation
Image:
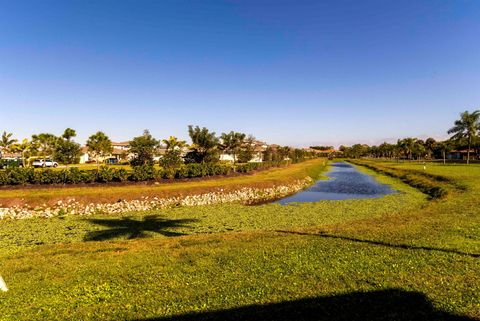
<point>259,187</point>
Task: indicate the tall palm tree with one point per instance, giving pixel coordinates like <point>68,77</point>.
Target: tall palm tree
<point>407,146</point>
<point>172,143</point>
<point>466,127</point>
<point>24,147</point>
<point>6,142</point>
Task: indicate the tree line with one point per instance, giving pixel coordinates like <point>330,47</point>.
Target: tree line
<point>465,135</point>
<point>205,147</point>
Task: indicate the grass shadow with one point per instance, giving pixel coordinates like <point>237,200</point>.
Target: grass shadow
<point>381,243</point>
<point>391,304</point>
<point>133,228</point>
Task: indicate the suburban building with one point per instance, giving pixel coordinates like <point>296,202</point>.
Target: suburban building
<point>258,149</point>
<point>462,154</point>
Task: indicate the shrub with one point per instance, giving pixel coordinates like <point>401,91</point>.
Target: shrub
<point>120,175</point>
<point>47,176</point>
<point>105,175</point>
<point>142,173</point>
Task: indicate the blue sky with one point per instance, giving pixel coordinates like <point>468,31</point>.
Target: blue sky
<point>289,72</point>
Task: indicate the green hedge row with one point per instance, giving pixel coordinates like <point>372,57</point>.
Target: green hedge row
<point>23,176</point>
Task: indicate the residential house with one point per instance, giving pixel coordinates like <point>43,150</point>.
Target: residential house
<point>462,154</point>
<point>258,149</point>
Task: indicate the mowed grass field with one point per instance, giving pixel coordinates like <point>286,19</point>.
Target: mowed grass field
<point>401,257</point>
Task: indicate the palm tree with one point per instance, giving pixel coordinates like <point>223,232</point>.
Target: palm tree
<point>430,145</point>
<point>466,127</point>
<point>204,144</point>
<point>444,147</point>
<point>24,147</point>
<point>172,143</point>
<point>6,142</point>
<point>407,146</point>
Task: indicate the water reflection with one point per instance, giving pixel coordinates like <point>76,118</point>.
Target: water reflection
<point>345,182</point>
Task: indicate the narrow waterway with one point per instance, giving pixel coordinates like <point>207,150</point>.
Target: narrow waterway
<point>345,182</point>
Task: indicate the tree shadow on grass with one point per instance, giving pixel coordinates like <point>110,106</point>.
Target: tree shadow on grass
<point>381,243</point>
<point>132,228</point>
<point>391,304</point>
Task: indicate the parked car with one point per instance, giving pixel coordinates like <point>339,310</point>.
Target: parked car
<point>111,160</point>
<point>44,163</point>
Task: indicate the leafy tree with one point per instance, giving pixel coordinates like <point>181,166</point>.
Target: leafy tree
<point>172,159</point>
<point>66,150</point>
<point>232,143</point>
<point>7,142</point>
<point>144,148</point>
<point>204,145</point>
<point>247,149</point>
<point>466,127</point>
<point>99,145</point>
<point>44,144</point>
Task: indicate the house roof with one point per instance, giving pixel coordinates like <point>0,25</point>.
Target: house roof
<point>121,144</point>
<point>118,151</point>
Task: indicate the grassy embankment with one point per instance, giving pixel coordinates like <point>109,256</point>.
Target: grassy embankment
<point>38,195</point>
<point>399,257</point>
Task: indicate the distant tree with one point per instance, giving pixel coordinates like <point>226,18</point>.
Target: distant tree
<point>284,152</point>
<point>44,144</point>
<point>24,148</point>
<point>7,142</point>
<point>386,150</point>
<point>99,145</point>
<point>247,149</point>
<point>407,146</point>
<point>231,143</point>
<point>66,150</point>
<point>444,147</point>
<point>359,150</point>
<point>466,127</point>
<point>172,143</point>
<point>430,145</point>
<point>204,145</point>
<point>172,159</point>
<point>322,148</point>
<point>270,154</point>
<point>419,149</point>
<point>69,133</point>
<point>144,148</point>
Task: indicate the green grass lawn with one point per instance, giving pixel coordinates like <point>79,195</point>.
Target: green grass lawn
<point>400,257</point>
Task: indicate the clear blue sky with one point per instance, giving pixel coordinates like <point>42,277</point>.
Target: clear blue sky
<point>289,72</point>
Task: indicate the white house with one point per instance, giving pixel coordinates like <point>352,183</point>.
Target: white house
<point>258,149</point>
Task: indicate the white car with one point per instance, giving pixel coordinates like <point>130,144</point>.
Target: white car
<point>44,163</point>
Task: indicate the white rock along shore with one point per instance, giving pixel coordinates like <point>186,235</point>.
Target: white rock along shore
<point>72,207</point>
